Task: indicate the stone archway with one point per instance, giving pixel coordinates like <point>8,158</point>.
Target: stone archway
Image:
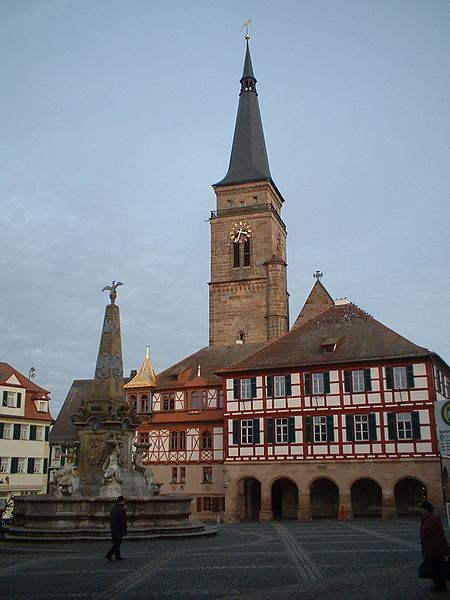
<point>324,496</point>
<point>409,492</point>
<point>284,499</point>
<point>366,498</point>
<point>249,498</point>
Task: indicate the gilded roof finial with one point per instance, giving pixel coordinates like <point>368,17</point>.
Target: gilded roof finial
<point>199,371</point>
<point>147,355</point>
<point>246,24</point>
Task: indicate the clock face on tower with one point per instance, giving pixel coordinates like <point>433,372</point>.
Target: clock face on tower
<point>240,232</point>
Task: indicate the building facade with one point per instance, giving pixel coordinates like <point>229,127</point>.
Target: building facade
<point>25,422</point>
<point>337,415</point>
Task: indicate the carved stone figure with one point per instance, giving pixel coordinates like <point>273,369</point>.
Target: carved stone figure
<point>66,478</point>
<point>112,475</point>
<point>153,486</point>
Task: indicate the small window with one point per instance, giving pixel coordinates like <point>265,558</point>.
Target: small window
<point>247,253</point>
<point>174,475</point>
<point>404,426</point>
<point>318,383</point>
<point>42,406</point>
<point>247,431</point>
<point>280,385</point>
<point>358,382</point>
<point>207,475</point>
<point>182,474</point>
<point>400,378</point>
<point>361,427</point>
<point>4,464</point>
<point>22,465</point>
<point>198,399</point>
<point>24,432</point>
<point>37,467</point>
<point>206,440</point>
<point>40,433</point>
<point>11,399</point>
<point>7,431</point>
<point>320,429</point>
<point>281,431</point>
<point>246,389</point>
<point>143,437</point>
<point>168,401</point>
<point>220,398</point>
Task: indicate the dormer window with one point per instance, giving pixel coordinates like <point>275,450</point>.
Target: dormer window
<point>329,345</point>
<point>42,406</point>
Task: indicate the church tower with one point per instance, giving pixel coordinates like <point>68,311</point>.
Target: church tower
<point>248,298</point>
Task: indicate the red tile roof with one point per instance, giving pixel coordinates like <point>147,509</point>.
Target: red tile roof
<point>359,337</point>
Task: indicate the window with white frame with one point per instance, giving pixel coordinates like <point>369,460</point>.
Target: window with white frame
<point>56,455</point>
<point>22,465</point>
<point>358,382</point>
<point>40,433</point>
<point>400,378</point>
<point>42,406</point>
<point>281,431</point>
<point>318,383</point>
<point>361,427</point>
<point>7,431</point>
<point>4,464</point>
<point>11,399</point>
<point>404,426</point>
<point>279,382</point>
<point>247,431</point>
<point>320,429</point>
<point>246,389</point>
<point>37,467</point>
<point>24,432</point>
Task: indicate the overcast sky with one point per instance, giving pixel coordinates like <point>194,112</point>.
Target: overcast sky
<point>116,117</point>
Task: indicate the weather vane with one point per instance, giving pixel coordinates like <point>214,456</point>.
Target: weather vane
<point>246,24</point>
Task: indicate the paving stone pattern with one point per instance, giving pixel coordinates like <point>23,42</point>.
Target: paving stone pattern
<point>359,559</point>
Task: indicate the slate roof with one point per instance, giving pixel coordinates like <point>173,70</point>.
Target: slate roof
<point>248,161</point>
<point>359,338</point>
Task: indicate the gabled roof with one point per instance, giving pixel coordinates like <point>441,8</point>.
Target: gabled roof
<point>248,161</point>
<point>359,337</point>
<point>317,302</point>
<point>6,371</point>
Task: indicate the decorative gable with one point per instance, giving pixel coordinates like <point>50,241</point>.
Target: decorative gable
<point>12,381</point>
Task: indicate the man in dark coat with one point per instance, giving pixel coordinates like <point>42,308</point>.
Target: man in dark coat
<point>435,547</point>
<point>118,522</point>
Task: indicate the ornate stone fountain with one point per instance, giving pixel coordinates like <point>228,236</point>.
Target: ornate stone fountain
<point>103,466</point>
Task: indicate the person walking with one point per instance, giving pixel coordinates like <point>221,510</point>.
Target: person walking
<point>118,523</point>
<point>435,548</point>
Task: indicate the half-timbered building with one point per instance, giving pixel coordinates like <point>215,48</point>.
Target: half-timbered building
<point>337,415</point>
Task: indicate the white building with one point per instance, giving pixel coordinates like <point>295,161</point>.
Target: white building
<point>25,421</point>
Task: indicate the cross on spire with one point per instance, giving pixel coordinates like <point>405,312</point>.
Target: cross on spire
<point>246,24</point>
<point>318,275</point>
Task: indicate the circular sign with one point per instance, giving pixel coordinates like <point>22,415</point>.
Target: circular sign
<point>445,413</point>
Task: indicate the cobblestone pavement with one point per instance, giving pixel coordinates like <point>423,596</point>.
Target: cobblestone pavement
<point>360,559</point>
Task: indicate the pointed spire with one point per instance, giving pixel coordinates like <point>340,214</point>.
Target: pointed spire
<point>145,377</point>
<point>248,161</point>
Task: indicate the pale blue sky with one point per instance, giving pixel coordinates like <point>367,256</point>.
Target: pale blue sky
<point>116,117</point>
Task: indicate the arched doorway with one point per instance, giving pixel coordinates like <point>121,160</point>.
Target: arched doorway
<point>249,498</point>
<point>284,499</point>
<point>366,498</point>
<point>324,496</point>
<point>409,493</point>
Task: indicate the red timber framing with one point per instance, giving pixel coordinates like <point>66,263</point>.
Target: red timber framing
<point>347,411</point>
